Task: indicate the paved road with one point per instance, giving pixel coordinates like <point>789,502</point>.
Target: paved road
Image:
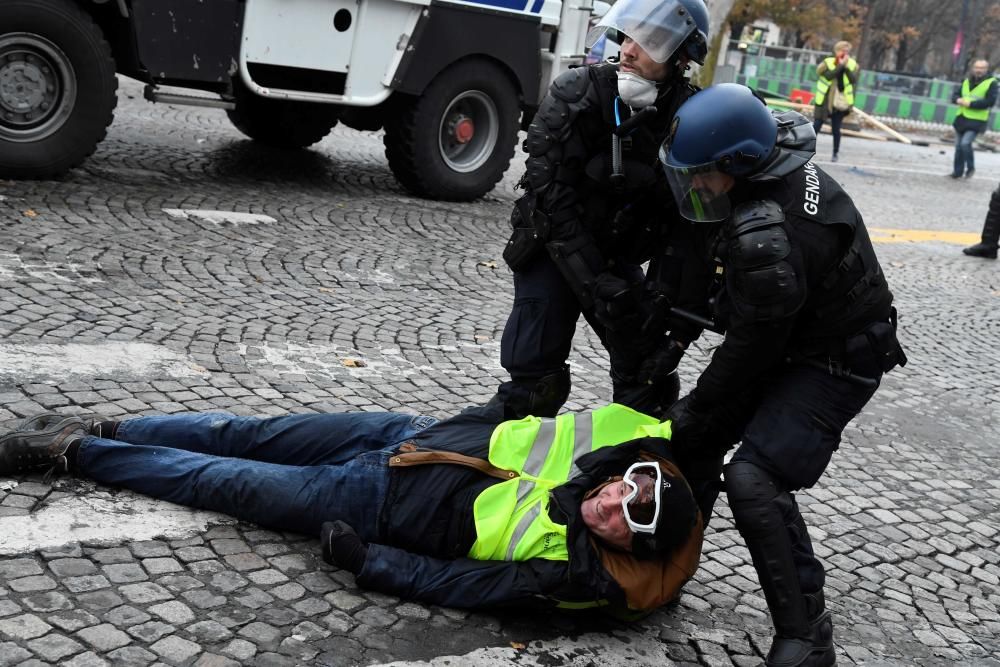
<point>127,288</point>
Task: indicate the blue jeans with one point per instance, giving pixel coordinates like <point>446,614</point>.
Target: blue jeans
<point>288,473</point>
<point>964,160</point>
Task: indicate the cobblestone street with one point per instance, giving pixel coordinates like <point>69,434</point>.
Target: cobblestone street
<point>128,288</point>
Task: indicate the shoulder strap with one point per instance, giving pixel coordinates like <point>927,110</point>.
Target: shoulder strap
<point>409,456</point>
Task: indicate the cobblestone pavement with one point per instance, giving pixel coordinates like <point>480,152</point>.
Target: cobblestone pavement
<point>123,291</point>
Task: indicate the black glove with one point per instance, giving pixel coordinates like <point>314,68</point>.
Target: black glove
<point>616,303</point>
<point>661,363</point>
<point>342,546</point>
<point>689,428</point>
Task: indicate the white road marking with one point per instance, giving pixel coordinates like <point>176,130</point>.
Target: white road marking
<point>220,217</point>
<point>12,265</point>
<point>101,518</point>
<point>123,360</point>
<point>606,650</point>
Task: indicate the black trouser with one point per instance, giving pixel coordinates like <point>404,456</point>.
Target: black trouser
<point>791,424</point>
<point>836,119</point>
<point>539,334</point>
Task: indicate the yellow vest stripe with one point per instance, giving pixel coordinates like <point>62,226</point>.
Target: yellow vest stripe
<point>540,448</point>
<point>522,528</point>
<point>583,435</point>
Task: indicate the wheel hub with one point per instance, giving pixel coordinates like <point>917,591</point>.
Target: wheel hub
<point>468,131</point>
<point>25,88</point>
<point>463,129</point>
<point>37,87</point>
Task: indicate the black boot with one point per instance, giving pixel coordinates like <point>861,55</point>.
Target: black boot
<point>765,515</point>
<point>987,247</point>
<point>54,447</point>
<point>821,629</point>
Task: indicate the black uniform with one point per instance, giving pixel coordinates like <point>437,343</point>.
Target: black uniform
<point>580,236</point>
<point>809,331</point>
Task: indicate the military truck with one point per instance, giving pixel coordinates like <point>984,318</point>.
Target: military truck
<point>450,81</point>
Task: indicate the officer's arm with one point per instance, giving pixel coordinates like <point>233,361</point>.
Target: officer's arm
<point>692,282</point>
<point>748,350</point>
<point>557,154</point>
<point>463,582</point>
<point>766,287</point>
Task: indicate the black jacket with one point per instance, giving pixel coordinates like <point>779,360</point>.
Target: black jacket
<point>823,289</point>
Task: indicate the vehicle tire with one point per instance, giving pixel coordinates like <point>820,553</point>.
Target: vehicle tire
<point>57,87</point>
<point>281,123</point>
<point>455,141</point>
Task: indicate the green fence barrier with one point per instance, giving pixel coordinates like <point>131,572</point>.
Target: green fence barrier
<point>879,104</point>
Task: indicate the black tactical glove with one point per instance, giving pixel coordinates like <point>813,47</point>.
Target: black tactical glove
<point>661,363</point>
<point>689,427</point>
<point>616,303</point>
<point>342,546</point>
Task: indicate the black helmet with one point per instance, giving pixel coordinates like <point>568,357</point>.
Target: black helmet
<point>727,129</point>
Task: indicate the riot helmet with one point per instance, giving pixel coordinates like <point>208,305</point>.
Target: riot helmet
<point>725,133</point>
<point>665,29</point>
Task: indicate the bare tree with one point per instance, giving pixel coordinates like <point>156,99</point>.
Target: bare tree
<point>895,35</point>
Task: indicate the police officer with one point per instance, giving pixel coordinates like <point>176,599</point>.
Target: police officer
<point>809,330</point>
<point>594,210</point>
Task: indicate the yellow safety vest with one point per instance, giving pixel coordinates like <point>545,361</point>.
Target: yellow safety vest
<point>977,93</point>
<point>511,517</point>
<point>823,84</point>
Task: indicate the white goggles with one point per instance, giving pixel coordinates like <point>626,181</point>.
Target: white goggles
<point>642,502</point>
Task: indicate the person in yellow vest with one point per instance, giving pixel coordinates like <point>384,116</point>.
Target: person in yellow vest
<point>974,98</point>
<point>837,77</point>
<point>583,510</point>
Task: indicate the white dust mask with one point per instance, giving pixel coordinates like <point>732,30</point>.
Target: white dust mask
<point>635,91</point>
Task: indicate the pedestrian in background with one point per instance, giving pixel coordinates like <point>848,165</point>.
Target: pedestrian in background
<point>974,99</point>
<point>837,76</point>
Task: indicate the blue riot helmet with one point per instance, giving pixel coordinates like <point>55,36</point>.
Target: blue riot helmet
<point>725,133</point>
<point>663,28</point>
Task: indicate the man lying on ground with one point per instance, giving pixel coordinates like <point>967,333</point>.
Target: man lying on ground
<point>584,510</point>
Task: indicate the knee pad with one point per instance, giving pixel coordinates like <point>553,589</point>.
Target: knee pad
<point>753,493</point>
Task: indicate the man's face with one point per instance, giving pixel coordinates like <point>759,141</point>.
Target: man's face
<point>979,68</point>
<point>711,184</point>
<point>843,52</point>
<point>635,59</point>
<point>604,516</point>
